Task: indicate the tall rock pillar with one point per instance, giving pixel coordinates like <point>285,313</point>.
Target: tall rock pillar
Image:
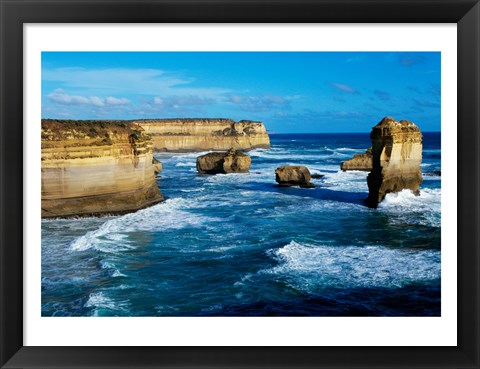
<point>397,154</point>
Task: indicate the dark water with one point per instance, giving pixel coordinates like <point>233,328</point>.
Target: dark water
<point>237,245</point>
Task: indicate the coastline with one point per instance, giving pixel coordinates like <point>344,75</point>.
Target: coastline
<point>237,245</point>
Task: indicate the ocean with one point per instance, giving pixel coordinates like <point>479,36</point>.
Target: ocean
<point>238,245</point>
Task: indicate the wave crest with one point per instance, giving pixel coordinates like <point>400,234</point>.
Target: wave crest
<point>311,267</point>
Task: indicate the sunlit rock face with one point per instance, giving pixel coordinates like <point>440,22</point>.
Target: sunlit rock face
<point>361,162</point>
<point>157,166</point>
<point>96,167</point>
<point>232,161</point>
<point>186,135</point>
<point>397,155</point>
<point>293,175</point>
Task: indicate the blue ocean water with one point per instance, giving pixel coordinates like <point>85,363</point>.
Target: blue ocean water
<point>238,245</point>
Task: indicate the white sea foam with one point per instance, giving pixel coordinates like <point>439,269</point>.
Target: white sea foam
<point>230,178</point>
<point>162,309</point>
<point>424,209</point>
<point>282,156</point>
<point>349,181</point>
<point>179,159</point>
<point>300,159</point>
<point>180,156</point>
<point>112,236</point>
<point>201,189</point>
<point>349,149</point>
<point>98,300</point>
<point>111,267</point>
<point>186,164</point>
<point>312,267</point>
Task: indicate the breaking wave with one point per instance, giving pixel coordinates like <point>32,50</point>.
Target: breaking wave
<point>311,267</point>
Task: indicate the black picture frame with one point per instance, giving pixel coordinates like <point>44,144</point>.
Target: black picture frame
<point>15,13</point>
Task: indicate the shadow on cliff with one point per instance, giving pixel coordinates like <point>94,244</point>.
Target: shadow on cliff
<point>321,193</point>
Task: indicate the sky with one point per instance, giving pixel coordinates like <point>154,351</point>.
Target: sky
<point>291,92</point>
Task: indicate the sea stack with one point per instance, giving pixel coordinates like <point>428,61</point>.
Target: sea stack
<point>293,175</point>
<point>204,134</point>
<point>397,154</point>
<point>359,162</point>
<point>232,161</point>
<point>96,167</point>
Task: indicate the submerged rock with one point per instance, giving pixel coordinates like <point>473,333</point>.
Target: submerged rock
<point>359,162</point>
<point>397,154</point>
<point>232,161</point>
<point>293,175</point>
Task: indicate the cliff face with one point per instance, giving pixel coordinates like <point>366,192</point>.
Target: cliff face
<point>183,135</point>
<point>96,167</point>
<point>397,154</point>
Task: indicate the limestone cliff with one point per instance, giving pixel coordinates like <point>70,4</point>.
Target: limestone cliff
<point>184,135</point>
<point>397,154</point>
<point>96,167</point>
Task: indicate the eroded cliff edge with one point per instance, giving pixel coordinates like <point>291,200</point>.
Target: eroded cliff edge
<point>397,155</point>
<point>96,167</point>
<point>184,135</point>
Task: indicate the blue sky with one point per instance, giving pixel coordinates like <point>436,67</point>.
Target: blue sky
<point>291,92</point>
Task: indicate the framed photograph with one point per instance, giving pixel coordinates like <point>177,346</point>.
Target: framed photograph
<point>234,184</point>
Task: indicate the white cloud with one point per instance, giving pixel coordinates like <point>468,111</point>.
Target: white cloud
<point>344,88</point>
<point>114,81</point>
<point>158,101</point>
<point>114,101</point>
<point>178,101</point>
<point>95,100</point>
<point>61,97</point>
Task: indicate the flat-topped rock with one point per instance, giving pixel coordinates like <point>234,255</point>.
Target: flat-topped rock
<point>293,175</point>
<point>397,155</point>
<point>231,161</point>
<point>203,134</point>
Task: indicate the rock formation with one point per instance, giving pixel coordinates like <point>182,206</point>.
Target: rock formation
<point>232,161</point>
<point>293,175</point>
<point>397,154</point>
<point>157,166</point>
<point>184,135</point>
<point>96,167</point>
<point>359,162</point>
